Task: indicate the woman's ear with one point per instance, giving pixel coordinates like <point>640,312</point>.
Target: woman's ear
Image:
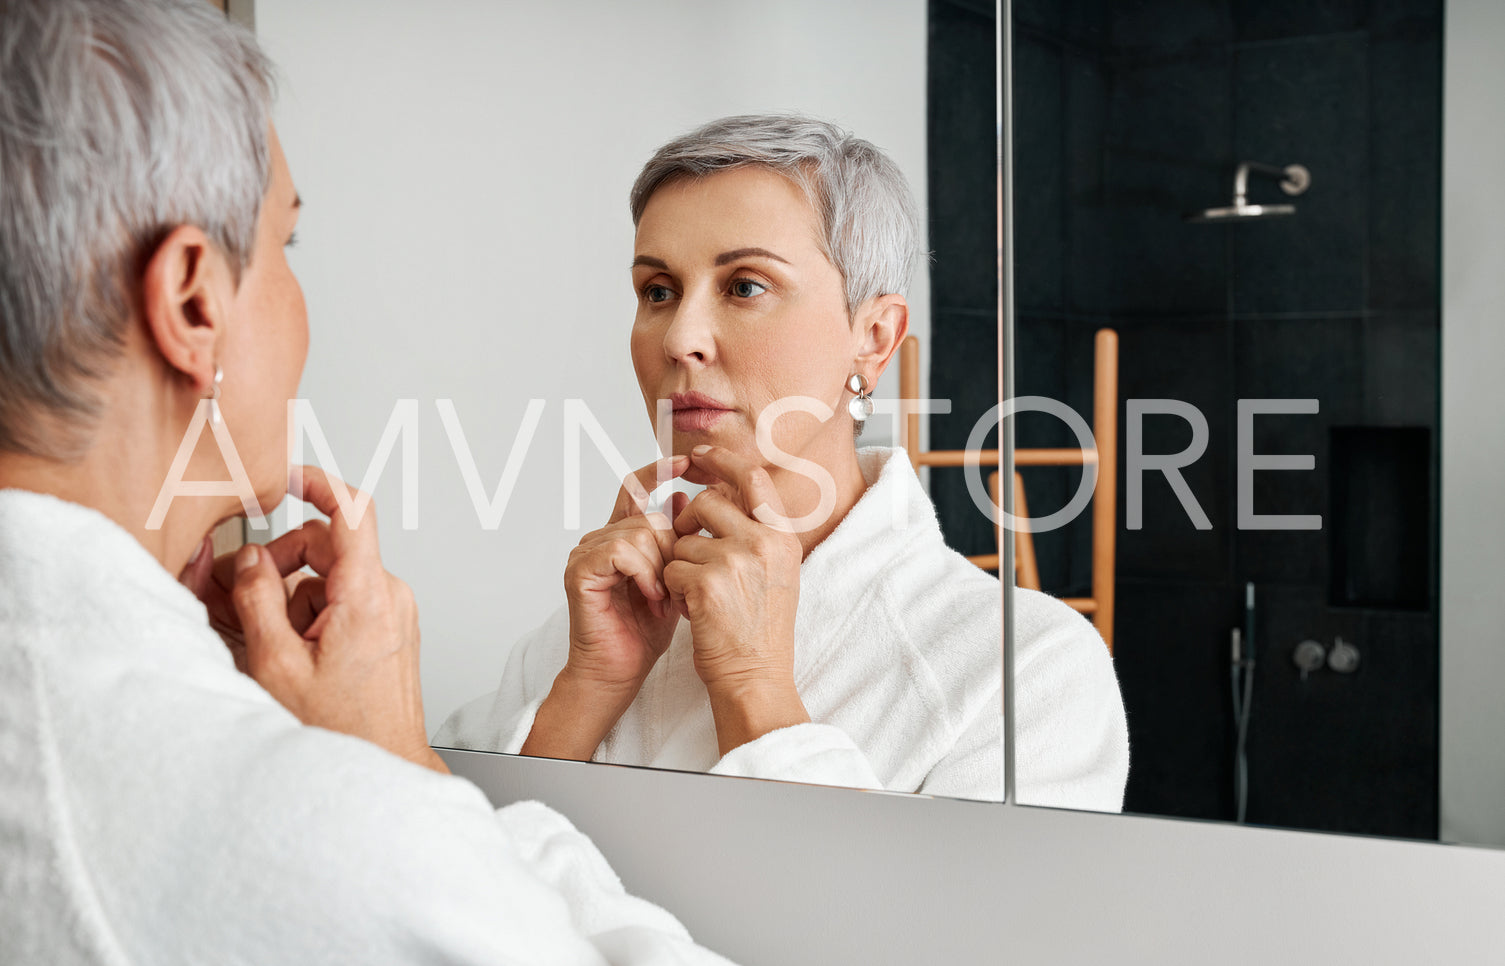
<point>184,296</point>
<point>883,322</point>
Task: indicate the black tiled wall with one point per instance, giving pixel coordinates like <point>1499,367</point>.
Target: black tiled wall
<point>1127,115</point>
<point>963,190</point>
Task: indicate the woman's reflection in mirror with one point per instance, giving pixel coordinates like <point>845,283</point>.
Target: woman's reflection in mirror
<point>787,622</point>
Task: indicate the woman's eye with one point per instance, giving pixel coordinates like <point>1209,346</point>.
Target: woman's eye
<point>657,293</point>
<point>746,288</point>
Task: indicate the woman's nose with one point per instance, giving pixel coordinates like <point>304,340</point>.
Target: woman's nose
<point>691,337</point>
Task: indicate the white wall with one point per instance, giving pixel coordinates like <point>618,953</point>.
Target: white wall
<point>465,168</point>
<point>1473,442</point>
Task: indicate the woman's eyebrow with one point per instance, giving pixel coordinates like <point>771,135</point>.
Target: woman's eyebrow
<point>735,254</point>
<point>650,261</point>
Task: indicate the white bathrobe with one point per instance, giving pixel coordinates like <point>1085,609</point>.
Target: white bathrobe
<point>898,659</point>
<point>156,806</point>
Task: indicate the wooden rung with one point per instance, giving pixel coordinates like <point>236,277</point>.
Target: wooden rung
<point>909,388</point>
<point>1054,457</point>
<point>955,457</point>
<point>1082,605</point>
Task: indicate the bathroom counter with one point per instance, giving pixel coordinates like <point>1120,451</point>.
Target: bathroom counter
<point>766,872</point>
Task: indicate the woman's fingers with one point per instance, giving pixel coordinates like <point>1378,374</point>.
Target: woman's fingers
<point>747,478</point>
<point>714,512</point>
<point>632,498</point>
<point>679,578</point>
<point>633,563</point>
<point>274,652</point>
<point>696,549</point>
<point>635,554</point>
<point>653,534</point>
<point>723,464</point>
<point>195,574</point>
<point>660,529</point>
<point>307,546</point>
<point>310,545</point>
<point>223,572</point>
<point>330,496</point>
<point>306,600</point>
<point>361,677</point>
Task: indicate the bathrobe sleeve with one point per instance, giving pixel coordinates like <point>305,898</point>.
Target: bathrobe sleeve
<point>210,826</point>
<point>425,870</point>
<point>339,852</point>
<point>818,754</point>
<point>821,754</point>
<point>1071,737</point>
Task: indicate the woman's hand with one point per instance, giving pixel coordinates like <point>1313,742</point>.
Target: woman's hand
<point>353,667</point>
<point>621,619</point>
<point>211,580</point>
<point>739,587</point>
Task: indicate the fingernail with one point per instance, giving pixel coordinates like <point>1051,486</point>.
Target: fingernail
<point>247,558</point>
<point>198,551</point>
<point>662,590</point>
<point>702,449</point>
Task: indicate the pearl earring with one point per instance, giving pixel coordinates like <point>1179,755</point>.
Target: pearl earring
<point>219,377</point>
<point>861,406</point>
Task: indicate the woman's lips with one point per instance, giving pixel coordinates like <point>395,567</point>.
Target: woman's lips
<point>695,411</point>
<point>695,420</point>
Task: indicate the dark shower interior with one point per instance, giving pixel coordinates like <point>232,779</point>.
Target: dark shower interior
<point>1126,117</point>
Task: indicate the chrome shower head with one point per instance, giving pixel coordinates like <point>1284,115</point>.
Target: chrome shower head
<point>1237,212</point>
<point>1294,179</point>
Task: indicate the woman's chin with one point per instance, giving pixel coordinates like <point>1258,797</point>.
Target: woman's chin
<point>269,498</point>
<point>700,477</point>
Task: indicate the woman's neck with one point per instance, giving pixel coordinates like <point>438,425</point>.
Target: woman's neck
<point>802,496</point>
<point>120,475</point>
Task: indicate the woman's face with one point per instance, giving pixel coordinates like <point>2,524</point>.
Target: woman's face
<point>738,308</point>
<point>266,342</point>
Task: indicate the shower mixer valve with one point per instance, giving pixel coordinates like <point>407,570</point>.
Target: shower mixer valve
<point>1343,658</point>
<point>1310,655</point>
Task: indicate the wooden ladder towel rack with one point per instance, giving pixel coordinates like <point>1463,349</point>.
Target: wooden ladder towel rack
<point>1098,605</point>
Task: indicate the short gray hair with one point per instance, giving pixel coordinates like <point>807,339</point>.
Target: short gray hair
<point>870,226</point>
<point>119,121</point>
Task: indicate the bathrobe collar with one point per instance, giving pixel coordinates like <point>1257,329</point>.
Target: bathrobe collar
<point>48,546</point>
<point>893,516</point>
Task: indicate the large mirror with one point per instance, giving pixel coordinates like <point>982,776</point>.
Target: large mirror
<point>1251,196</point>
<point>467,253</point>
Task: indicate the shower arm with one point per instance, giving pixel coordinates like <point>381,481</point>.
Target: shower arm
<point>1293,179</point>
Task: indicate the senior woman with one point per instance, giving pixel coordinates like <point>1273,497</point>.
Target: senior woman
<point>802,617</point>
<point>157,805</point>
